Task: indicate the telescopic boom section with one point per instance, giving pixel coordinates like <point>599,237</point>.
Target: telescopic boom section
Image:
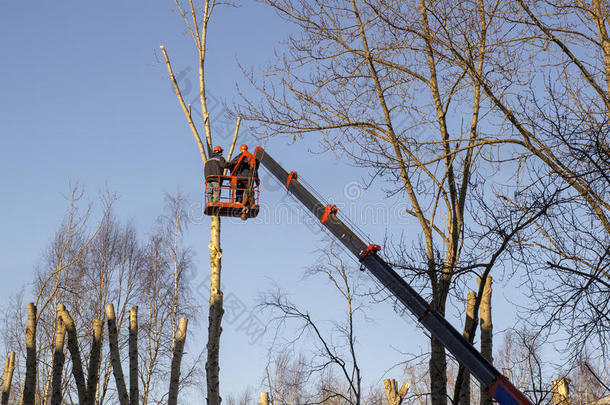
<point>497,385</point>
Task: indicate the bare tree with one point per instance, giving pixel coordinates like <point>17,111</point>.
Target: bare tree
<point>88,268</point>
<point>588,381</point>
<point>196,18</point>
<point>86,388</point>
<point>165,296</point>
<point>333,365</point>
<point>375,79</point>
<point>521,358</point>
<point>391,85</point>
<point>554,101</point>
<point>286,378</point>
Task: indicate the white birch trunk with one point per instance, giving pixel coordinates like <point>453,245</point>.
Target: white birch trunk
<point>77,368</point>
<point>9,368</point>
<point>199,31</point>
<point>29,386</point>
<point>134,393</point>
<point>58,363</point>
<point>115,356</point>
<point>174,383</point>
<point>486,330</point>
<point>470,320</point>
<point>95,357</point>
<point>212,366</point>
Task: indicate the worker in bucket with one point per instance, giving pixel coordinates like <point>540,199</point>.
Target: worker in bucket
<point>244,173</point>
<point>213,171</point>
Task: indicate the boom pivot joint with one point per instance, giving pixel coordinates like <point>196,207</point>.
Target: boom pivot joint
<point>329,209</point>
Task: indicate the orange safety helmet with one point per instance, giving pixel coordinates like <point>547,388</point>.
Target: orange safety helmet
<point>218,149</point>
<point>243,147</point>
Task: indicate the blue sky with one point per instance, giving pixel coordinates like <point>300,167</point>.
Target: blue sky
<point>84,98</point>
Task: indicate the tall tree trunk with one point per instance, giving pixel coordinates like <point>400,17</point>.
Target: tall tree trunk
<point>95,357</point>
<point>470,320</point>
<point>58,363</point>
<point>438,372</point>
<point>29,386</point>
<point>486,330</point>
<point>212,367</point>
<point>115,356</point>
<point>9,368</point>
<point>133,356</point>
<point>77,368</point>
<point>47,392</point>
<point>438,357</point>
<point>199,30</point>
<point>174,380</point>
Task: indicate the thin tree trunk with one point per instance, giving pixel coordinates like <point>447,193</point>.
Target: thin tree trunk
<point>48,391</point>
<point>438,372</point>
<point>58,362</point>
<point>46,394</point>
<point>199,31</point>
<point>264,398</point>
<point>77,367</point>
<point>470,320</point>
<point>486,330</point>
<point>438,359</point>
<point>216,311</point>
<point>9,368</point>
<point>233,142</point>
<point>103,389</point>
<point>176,276</point>
<point>133,356</point>
<point>115,356</point>
<point>392,394</point>
<point>174,381</point>
<point>95,357</point>
<point>438,356</point>
<point>29,386</point>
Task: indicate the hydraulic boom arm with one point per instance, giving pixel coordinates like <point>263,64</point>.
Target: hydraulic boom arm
<point>498,386</point>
